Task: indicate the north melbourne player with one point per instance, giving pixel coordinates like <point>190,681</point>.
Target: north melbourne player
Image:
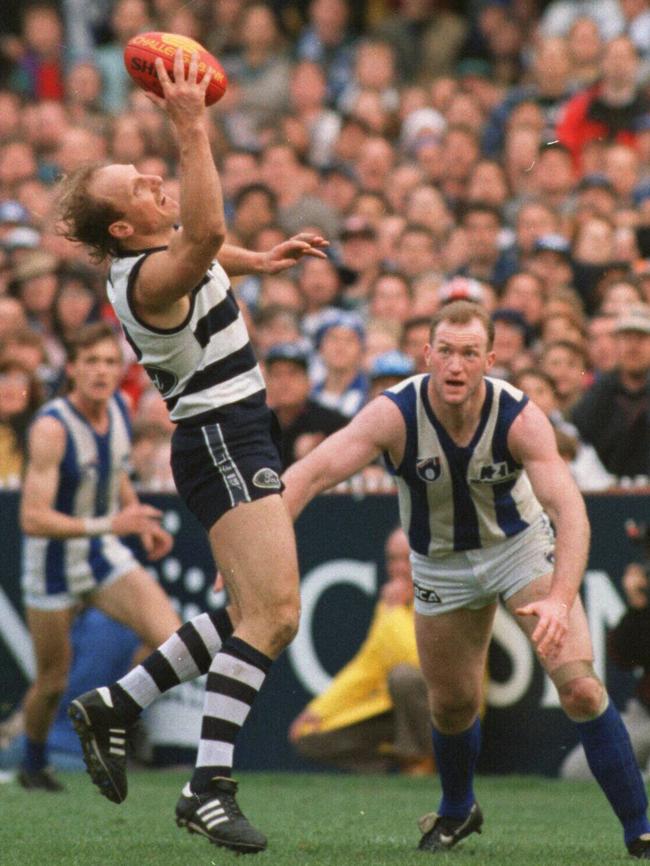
<point>478,471</point>
<point>76,501</point>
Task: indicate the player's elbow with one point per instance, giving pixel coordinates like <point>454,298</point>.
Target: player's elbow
<point>29,523</point>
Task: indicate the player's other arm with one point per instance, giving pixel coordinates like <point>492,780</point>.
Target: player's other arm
<point>167,277</point>
<point>378,427</point>
<point>157,542</point>
<point>237,261</point>
<point>531,441</point>
<point>38,515</point>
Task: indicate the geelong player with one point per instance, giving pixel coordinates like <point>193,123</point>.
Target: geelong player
<point>178,312</point>
<point>77,500</point>
<point>477,471</point>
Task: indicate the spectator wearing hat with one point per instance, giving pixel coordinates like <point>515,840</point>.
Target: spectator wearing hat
<point>389,369</point>
<point>344,385</point>
<point>551,262</point>
<point>614,414</point>
<point>360,258</point>
<point>303,422</point>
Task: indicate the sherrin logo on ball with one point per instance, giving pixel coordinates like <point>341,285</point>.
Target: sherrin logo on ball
<point>140,60</point>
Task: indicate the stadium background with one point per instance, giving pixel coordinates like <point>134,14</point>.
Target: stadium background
<point>340,538</point>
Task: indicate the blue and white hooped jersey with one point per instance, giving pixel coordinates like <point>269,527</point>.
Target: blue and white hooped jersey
<point>452,497</point>
<point>89,483</point>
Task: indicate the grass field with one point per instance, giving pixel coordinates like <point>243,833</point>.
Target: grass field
<point>311,820</point>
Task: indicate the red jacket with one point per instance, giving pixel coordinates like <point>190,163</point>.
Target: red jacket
<point>576,127</point>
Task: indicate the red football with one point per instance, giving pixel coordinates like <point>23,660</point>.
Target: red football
<point>140,56</point>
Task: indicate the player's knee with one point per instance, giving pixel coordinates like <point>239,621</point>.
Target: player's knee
<point>453,715</point>
<point>582,698</point>
<point>283,621</point>
<point>52,684</point>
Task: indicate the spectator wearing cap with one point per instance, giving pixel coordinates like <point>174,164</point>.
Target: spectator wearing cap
<point>35,284</point>
<point>485,259</point>
<point>610,110</point>
<point>303,421</point>
<point>389,369</point>
<point>614,414</point>
<point>360,258</point>
<point>551,262</point>
<point>344,385</point>
<point>511,340</point>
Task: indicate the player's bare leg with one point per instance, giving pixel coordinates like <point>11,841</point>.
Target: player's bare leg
<point>254,546</point>
<point>584,699</point>
<point>50,633</point>
<point>453,651</point>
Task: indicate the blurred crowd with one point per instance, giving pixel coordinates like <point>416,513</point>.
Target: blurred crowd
<point>494,150</point>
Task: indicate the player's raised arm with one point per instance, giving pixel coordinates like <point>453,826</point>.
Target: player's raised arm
<point>378,427</point>
<point>168,276</point>
<point>532,442</point>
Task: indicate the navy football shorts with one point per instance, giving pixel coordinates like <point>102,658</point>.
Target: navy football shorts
<point>217,466</point>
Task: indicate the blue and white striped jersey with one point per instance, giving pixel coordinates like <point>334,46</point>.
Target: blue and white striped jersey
<point>452,497</point>
<point>89,484</point>
<point>205,363</point>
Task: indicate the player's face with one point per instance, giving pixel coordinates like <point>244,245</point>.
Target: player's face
<point>458,359</point>
<point>140,197</point>
<point>96,371</point>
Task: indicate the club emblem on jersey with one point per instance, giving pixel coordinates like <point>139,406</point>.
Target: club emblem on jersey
<point>162,379</point>
<point>428,470</point>
<point>267,479</point>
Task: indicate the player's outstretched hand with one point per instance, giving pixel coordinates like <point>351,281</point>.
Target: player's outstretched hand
<point>287,253</point>
<point>157,542</point>
<point>136,519</point>
<point>552,626</point>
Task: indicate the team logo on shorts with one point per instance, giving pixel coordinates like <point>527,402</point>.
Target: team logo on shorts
<point>426,594</point>
<point>267,479</point>
<point>429,469</point>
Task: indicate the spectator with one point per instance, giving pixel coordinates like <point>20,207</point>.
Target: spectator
<point>304,423</point>
<point>485,259</point>
<point>20,396</point>
<point>415,336</point>
<point>613,415</point>
<point>327,40</point>
<point>275,324</point>
<point>128,18</point>
<point>427,39</point>
<point>511,338</point>
<point>550,261</point>
<point>390,297</point>
<point>524,292</point>
<point>586,468</point>
<point>344,386</point>
<point>38,74</point>
<point>379,696</point>
<point>601,343</point>
<point>389,369</point>
<point>565,363</point>
<point>612,109</point>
